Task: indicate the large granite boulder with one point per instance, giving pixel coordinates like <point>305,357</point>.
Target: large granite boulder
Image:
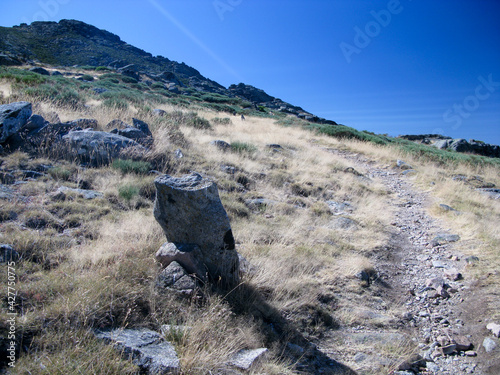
<point>190,212</point>
<point>99,148</point>
<point>13,117</point>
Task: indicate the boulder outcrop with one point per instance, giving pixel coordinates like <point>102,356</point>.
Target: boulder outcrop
<point>190,212</point>
<point>13,117</point>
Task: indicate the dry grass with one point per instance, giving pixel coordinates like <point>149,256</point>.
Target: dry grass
<point>304,258</point>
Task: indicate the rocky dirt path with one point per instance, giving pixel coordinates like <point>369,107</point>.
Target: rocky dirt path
<point>422,272</point>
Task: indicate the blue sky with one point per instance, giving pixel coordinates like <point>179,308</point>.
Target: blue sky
<point>392,66</point>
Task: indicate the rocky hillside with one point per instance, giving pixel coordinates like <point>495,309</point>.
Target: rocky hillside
<point>70,42</point>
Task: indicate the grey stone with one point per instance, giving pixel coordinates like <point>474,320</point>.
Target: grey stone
<point>13,117</point>
<point>431,366</point>
<point>452,274</point>
<point>159,112</point>
<point>444,238</point>
<point>489,344</point>
<point>189,210</point>
<point>188,256</point>
<point>244,359</point>
<point>445,207</point>
<point>146,348</point>
<point>442,144</point>
<point>100,148</point>
<point>491,192</point>
<point>34,122</point>
<point>472,259</point>
<point>494,328</point>
<point>436,282</point>
<point>142,126</point>
<point>99,90</point>
<point>8,254</point>
<point>135,134</point>
<point>40,70</point>
<point>86,194</point>
<point>257,203</point>
<point>339,208</point>
<point>221,145</point>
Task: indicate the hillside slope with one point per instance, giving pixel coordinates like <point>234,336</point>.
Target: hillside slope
<point>350,241</point>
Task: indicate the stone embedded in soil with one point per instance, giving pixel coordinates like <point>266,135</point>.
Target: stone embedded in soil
<point>190,212</point>
<point>452,274</point>
<point>494,328</point>
<point>489,344</point>
<point>244,359</point>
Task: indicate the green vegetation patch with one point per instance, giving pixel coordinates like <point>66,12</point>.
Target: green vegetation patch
<point>131,166</point>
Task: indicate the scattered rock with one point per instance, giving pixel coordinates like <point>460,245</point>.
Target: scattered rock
<point>12,118</point>
<point>462,343</point>
<point>100,148</point>
<point>159,112</point>
<point>8,254</point>
<point>34,122</point>
<point>142,126</point>
<point>221,145</point>
<point>445,207</point>
<point>245,358</point>
<point>452,274</point>
<point>438,264</point>
<point>189,210</point>
<point>86,194</point>
<point>494,328</point>
<point>435,283</point>
<point>135,134</point>
<point>187,255</point>
<point>472,260</point>
<point>174,276</point>
<point>443,239</point>
<point>470,353</point>
<point>340,208</point>
<point>489,344</point>
<point>258,203</point>
<point>492,192</point>
<point>147,349</point>
<point>39,70</point>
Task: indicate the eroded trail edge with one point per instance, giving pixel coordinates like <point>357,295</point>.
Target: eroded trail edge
<point>419,276</point>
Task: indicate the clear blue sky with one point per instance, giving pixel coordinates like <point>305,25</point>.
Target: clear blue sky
<point>396,67</point>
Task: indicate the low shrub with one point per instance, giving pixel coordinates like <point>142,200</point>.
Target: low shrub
<point>243,147</point>
<point>131,166</point>
<point>128,192</point>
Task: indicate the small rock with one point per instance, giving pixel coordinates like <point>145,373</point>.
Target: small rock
<point>472,260</point>
<point>489,344</point>
<point>221,145</point>
<point>452,274</point>
<point>494,328</point>
<point>470,353</point>
<point>431,366</point>
<point>445,207</point>
<point>244,359</point>
<point>463,344</point>
<point>443,239</point>
<point>40,70</point>
<point>435,282</point>
<point>178,154</point>
<point>448,349</point>
<point>438,264</point>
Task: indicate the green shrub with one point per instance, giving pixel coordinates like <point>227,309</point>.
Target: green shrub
<point>243,147</point>
<point>102,68</point>
<point>127,79</point>
<point>87,77</point>
<point>60,173</point>
<point>131,166</point>
<point>157,86</point>
<point>128,192</point>
<point>222,121</point>
<point>22,76</point>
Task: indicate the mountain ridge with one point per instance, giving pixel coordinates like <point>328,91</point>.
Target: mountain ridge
<point>73,42</point>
